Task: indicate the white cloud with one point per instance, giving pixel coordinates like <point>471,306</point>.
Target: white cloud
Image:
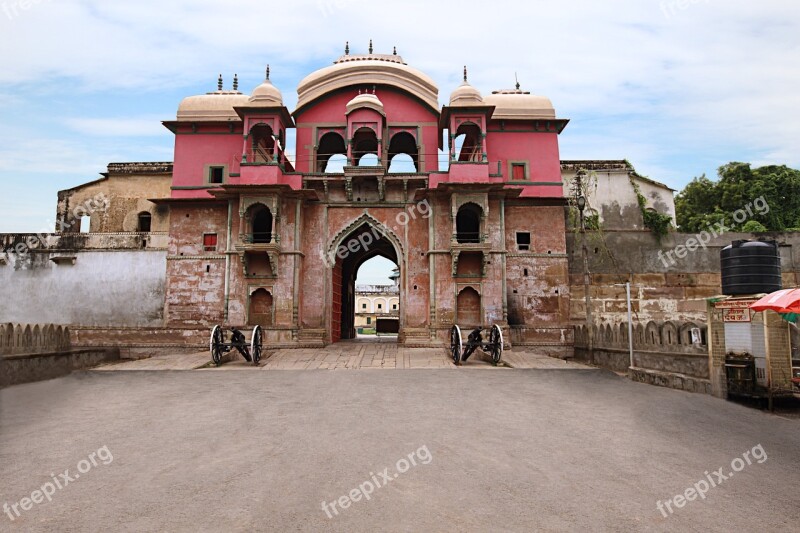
<point>671,88</point>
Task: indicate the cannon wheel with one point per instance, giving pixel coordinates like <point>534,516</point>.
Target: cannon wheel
<point>215,344</point>
<point>455,344</point>
<point>496,344</point>
<point>255,344</point>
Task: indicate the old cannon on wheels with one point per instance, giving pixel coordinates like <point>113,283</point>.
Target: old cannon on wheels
<point>493,347</point>
<point>251,352</point>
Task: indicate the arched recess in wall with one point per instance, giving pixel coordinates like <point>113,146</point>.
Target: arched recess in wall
<point>262,144</point>
<point>261,308</point>
<point>144,222</point>
<point>403,153</point>
<point>468,223</point>
<point>468,308</point>
<point>468,137</point>
<point>365,142</point>
<point>331,153</point>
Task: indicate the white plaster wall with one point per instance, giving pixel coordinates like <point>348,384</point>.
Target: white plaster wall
<point>614,187</point>
<point>111,288</point>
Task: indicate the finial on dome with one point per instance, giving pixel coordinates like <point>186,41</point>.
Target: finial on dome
<point>347,48</point>
<point>235,82</point>
<point>374,87</point>
<point>516,78</point>
<point>267,71</point>
<point>370,46</point>
<point>465,74</point>
<point>394,51</point>
<point>219,83</point>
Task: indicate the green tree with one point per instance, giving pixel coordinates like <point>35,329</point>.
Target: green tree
<point>753,226</point>
<point>771,192</point>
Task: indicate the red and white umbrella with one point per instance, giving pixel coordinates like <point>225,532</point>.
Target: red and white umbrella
<point>783,301</point>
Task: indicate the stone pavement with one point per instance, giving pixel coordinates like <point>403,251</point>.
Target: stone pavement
<point>371,353</point>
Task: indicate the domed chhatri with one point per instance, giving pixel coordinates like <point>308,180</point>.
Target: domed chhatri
<point>213,106</point>
<point>515,104</point>
<point>368,100</point>
<point>267,94</point>
<point>466,95</point>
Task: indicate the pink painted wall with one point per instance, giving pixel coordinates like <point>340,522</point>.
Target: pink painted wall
<point>540,150</point>
<point>193,152</point>
<point>399,108</point>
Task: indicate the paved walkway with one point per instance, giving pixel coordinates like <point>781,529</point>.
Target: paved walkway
<point>381,353</point>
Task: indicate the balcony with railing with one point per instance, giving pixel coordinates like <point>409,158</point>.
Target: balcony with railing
<point>259,241</point>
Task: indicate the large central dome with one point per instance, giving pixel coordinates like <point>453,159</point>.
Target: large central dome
<point>366,70</point>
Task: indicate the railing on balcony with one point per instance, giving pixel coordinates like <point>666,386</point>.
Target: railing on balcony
<point>261,238</point>
<point>465,237</point>
<point>261,156</point>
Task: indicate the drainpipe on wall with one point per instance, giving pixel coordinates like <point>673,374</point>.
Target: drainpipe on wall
<point>503,260</point>
<point>432,268</point>
<point>228,258</point>
<point>297,264</point>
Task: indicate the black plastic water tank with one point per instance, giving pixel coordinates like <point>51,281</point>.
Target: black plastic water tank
<point>751,267</point>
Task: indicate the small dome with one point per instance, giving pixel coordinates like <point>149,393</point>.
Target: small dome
<point>216,106</point>
<point>520,105</point>
<point>267,94</point>
<point>365,100</point>
<point>466,95</point>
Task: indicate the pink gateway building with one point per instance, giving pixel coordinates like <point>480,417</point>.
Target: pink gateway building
<point>479,238</point>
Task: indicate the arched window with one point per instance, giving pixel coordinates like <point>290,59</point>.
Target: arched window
<point>144,222</point>
<point>369,160</point>
<point>365,141</point>
<point>85,223</point>
<point>403,153</point>
<point>262,225</point>
<point>468,137</point>
<point>468,224</point>
<point>262,144</point>
<point>331,153</point>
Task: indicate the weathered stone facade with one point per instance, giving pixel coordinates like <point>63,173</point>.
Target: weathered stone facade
<point>257,238</point>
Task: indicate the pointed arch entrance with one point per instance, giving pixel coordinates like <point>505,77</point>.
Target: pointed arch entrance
<point>361,241</point>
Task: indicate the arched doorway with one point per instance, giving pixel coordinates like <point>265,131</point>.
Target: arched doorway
<point>360,245</point>
<point>377,312</point>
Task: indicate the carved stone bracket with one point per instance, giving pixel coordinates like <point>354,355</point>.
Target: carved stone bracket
<point>381,189</point>
<point>454,259</point>
<point>273,262</point>
<point>348,187</point>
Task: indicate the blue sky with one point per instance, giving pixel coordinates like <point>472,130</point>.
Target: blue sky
<point>679,87</point>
